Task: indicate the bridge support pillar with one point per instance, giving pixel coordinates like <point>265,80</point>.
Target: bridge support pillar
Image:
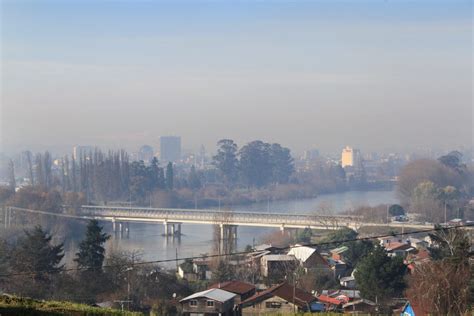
<point>166,228</point>
<point>127,228</point>
<point>121,229</point>
<point>172,229</point>
<point>228,238</point>
<point>114,225</point>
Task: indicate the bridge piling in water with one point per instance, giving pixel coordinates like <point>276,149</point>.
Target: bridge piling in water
<point>228,238</point>
<point>172,229</point>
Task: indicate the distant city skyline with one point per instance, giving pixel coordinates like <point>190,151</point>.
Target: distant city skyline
<point>376,75</point>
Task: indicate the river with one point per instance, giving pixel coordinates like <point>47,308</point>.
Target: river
<point>197,239</point>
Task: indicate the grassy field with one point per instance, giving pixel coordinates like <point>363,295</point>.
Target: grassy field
<point>12,305</point>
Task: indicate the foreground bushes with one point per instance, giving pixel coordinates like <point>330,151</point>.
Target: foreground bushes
<point>12,305</point>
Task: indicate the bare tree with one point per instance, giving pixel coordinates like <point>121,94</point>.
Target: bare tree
<point>11,175</point>
<point>440,288</point>
<point>30,167</point>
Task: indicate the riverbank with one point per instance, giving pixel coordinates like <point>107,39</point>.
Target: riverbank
<point>219,197</point>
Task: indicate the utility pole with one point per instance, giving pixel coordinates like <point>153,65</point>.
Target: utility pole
<point>177,267</point>
<point>445,214</point>
<point>294,293</point>
<point>128,286</point>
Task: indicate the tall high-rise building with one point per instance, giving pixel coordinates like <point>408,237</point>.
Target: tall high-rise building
<point>350,157</point>
<point>170,148</point>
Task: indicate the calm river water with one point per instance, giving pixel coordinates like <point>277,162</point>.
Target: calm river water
<point>197,239</point>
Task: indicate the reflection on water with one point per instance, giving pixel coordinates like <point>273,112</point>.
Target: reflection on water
<point>197,239</point>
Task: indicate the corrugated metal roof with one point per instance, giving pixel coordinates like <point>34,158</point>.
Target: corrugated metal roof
<point>263,247</point>
<point>301,253</point>
<point>213,294</point>
<point>340,249</point>
<point>279,258</point>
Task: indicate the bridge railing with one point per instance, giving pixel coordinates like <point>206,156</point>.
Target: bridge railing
<point>213,215</point>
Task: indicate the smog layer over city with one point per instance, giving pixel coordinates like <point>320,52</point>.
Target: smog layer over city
<point>236,158</point>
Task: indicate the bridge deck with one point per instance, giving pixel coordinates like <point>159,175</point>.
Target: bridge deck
<point>261,219</point>
<point>258,219</point>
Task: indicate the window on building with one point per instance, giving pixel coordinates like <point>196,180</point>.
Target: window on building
<point>193,303</point>
<point>273,304</point>
<point>210,303</point>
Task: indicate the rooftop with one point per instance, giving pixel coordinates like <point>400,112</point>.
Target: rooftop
<point>330,300</point>
<point>301,253</point>
<point>340,250</point>
<point>213,294</point>
<point>279,258</point>
<point>237,287</point>
<point>284,291</point>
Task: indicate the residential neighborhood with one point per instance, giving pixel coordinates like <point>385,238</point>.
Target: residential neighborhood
<point>280,283</point>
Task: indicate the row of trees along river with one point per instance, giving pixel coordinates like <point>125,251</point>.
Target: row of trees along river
<point>255,172</point>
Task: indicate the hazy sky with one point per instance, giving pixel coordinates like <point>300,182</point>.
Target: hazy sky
<point>323,74</point>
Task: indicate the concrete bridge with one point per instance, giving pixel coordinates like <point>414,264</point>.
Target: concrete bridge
<point>172,219</point>
<point>171,216</point>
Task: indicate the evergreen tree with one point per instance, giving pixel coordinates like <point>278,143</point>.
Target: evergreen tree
<point>193,180</point>
<point>169,176</point>
<point>282,163</point>
<point>154,174</point>
<point>224,272</point>
<point>396,210</point>
<point>139,180</point>
<point>91,250</point>
<point>356,251</point>
<point>379,276</point>
<point>226,160</point>
<point>255,164</point>
<point>35,255</point>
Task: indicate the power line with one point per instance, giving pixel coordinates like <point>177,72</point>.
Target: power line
<point>247,252</point>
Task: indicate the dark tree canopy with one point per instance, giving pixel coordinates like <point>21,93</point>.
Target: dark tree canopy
<point>356,251</point>
<point>35,254</point>
<point>380,276</point>
<point>224,272</point>
<point>340,235</point>
<point>255,164</point>
<point>453,160</point>
<point>91,250</point>
<point>396,210</point>
<point>194,182</point>
<point>226,160</point>
<point>169,176</point>
<point>282,163</point>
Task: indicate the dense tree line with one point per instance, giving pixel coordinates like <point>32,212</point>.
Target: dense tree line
<point>436,189</point>
<point>111,176</point>
<point>99,176</point>
<point>32,266</point>
<point>257,164</point>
